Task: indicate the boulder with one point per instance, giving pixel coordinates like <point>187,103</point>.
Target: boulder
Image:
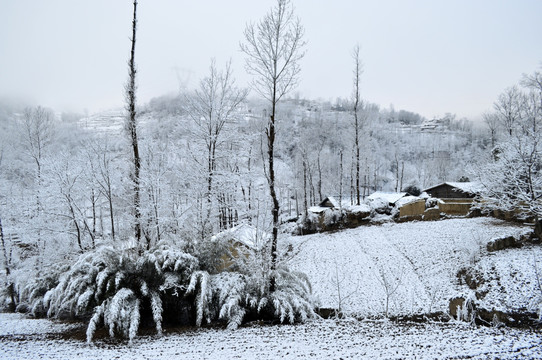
<point>431,214</point>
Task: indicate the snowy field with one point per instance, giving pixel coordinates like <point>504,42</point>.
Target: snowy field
<point>321,339</point>
<point>413,265</point>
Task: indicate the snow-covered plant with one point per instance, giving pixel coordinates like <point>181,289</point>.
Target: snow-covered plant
<point>537,299</point>
<point>112,285</point>
<point>230,296</point>
<point>222,296</point>
<point>513,181</point>
<point>121,314</point>
<point>31,293</point>
<point>292,301</point>
<point>467,311</point>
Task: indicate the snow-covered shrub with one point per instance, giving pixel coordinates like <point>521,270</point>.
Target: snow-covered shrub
<point>326,220</point>
<point>292,301</point>
<point>121,288</point>
<point>30,294</point>
<point>380,206</point>
<point>111,285</point>
<point>308,223</point>
<point>230,296</point>
<point>222,296</point>
<point>412,190</point>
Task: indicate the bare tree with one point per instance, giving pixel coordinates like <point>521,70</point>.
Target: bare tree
<point>131,125</point>
<point>37,132</point>
<point>212,108</point>
<point>101,160</point>
<point>357,121</point>
<point>508,107</point>
<point>533,81</point>
<point>391,280</point>
<point>274,48</point>
<point>531,111</point>
<point>37,135</point>
<point>492,122</point>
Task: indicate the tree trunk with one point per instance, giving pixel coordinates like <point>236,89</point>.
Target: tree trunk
<point>319,185</point>
<point>9,285</point>
<point>305,201</point>
<point>276,207</point>
<point>341,180</point>
<point>132,128</point>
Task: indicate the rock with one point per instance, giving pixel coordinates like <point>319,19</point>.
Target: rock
<point>462,309</point>
<point>431,214</point>
<point>472,277</point>
<point>503,243</point>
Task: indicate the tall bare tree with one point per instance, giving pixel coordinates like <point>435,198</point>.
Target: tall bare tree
<point>212,108</point>
<point>274,48</point>
<point>37,136</point>
<point>9,283</point>
<point>131,125</point>
<point>357,122</point>
<point>533,82</point>
<point>492,122</point>
<point>508,107</point>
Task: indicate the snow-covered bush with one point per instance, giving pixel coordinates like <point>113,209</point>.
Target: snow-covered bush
<point>230,296</point>
<point>512,182</point>
<point>30,293</point>
<point>111,285</point>
<point>119,288</point>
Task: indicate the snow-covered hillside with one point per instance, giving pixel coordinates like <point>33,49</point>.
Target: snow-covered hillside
<point>413,265</point>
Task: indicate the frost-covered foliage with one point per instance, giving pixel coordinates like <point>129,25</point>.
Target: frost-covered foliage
<point>230,296</point>
<point>31,293</point>
<point>110,285</point>
<point>121,288</point>
<point>513,182</point>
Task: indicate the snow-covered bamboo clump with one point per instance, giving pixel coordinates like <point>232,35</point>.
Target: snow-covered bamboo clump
<point>112,283</point>
<point>230,296</point>
<point>119,288</point>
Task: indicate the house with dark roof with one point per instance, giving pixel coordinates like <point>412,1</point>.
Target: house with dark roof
<point>455,197</point>
<point>454,190</point>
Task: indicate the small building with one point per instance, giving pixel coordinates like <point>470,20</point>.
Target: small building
<point>456,197</point>
<point>328,203</point>
<point>454,190</point>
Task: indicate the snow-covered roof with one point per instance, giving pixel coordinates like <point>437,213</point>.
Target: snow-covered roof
<point>361,208</point>
<point>387,196</point>
<point>318,209</point>
<point>471,187</point>
<point>331,200</point>
<point>247,235</point>
<point>407,200</point>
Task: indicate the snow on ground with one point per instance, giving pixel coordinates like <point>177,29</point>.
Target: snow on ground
<point>18,324</point>
<point>413,265</point>
<point>320,339</point>
<point>512,272</point>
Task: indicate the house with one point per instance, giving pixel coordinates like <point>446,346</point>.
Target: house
<point>454,190</point>
<point>328,203</point>
<point>456,197</point>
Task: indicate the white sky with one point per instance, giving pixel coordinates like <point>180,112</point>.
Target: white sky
<point>426,56</point>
